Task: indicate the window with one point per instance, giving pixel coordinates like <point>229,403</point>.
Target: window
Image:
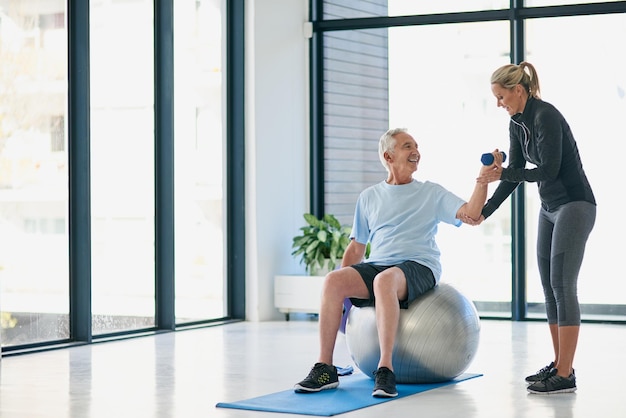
<point>431,75</point>
<point>33,176</point>
<point>595,116</point>
<point>199,151</point>
<point>77,254</point>
<point>122,165</point>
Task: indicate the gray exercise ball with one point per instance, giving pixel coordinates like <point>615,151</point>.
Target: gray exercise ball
<point>437,337</point>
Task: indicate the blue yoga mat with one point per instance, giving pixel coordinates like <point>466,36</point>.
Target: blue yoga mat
<point>354,392</point>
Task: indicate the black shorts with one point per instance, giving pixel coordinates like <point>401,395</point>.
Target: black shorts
<point>419,280</point>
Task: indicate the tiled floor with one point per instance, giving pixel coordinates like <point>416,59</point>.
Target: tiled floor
<point>185,374</point>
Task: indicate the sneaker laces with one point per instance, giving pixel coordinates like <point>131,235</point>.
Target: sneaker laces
<point>545,369</point>
<point>383,377</point>
<point>318,371</point>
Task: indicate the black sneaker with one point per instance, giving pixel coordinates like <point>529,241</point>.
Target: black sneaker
<point>541,374</point>
<point>322,376</point>
<point>385,386</point>
<point>554,384</point>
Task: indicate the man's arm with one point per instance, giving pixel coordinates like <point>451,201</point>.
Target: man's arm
<point>475,205</point>
<point>470,212</point>
<point>354,254</point>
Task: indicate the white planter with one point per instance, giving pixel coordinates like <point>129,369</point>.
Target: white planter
<point>300,294</point>
<point>323,271</point>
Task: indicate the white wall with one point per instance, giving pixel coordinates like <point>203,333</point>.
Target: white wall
<point>277,145</point>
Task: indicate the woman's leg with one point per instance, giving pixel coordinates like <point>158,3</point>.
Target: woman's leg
<point>544,245</point>
<point>573,223</point>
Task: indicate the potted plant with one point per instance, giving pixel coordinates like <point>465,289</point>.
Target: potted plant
<point>322,243</point>
<point>320,246</point>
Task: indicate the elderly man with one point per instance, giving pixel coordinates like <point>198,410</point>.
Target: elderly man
<point>399,218</point>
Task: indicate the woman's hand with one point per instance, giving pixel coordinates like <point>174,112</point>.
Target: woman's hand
<point>490,173</point>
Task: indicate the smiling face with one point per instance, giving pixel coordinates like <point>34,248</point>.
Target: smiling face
<point>403,160</point>
<point>512,100</point>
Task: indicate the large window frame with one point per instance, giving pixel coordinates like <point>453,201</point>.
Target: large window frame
<point>80,288</point>
<point>516,15</point>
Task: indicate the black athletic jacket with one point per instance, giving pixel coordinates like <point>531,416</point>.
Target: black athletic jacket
<point>540,135</point>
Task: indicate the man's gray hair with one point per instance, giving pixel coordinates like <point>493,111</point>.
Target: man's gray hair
<point>387,143</point>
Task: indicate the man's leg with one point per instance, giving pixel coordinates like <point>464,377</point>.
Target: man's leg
<point>389,288</point>
<point>338,285</point>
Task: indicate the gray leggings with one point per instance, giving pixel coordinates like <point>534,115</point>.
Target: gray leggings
<point>561,239</point>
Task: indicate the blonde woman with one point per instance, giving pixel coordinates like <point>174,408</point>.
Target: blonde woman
<point>539,134</point>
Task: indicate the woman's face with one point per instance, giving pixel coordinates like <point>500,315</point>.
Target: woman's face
<point>512,100</point>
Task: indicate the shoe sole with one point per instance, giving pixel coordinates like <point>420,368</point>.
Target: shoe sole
<point>379,393</point>
<point>302,389</point>
<point>530,382</point>
<point>553,392</point>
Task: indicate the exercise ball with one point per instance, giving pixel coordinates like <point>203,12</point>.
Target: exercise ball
<point>437,337</point>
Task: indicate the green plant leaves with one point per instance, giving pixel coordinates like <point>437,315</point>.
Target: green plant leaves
<point>322,239</point>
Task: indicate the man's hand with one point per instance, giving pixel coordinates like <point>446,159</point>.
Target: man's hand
<point>471,221</point>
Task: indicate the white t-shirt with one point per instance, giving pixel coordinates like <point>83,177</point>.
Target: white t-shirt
<point>400,222</point>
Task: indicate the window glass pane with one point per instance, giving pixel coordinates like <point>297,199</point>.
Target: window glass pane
<point>34,294</point>
<point>583,73</point>
<point>122,165</point>
<point>441,93</point>
<point>540,3</point>
<point>347,9</point>
<point>403,7</point>
<point>199,155</point>
<point>376,79</point>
